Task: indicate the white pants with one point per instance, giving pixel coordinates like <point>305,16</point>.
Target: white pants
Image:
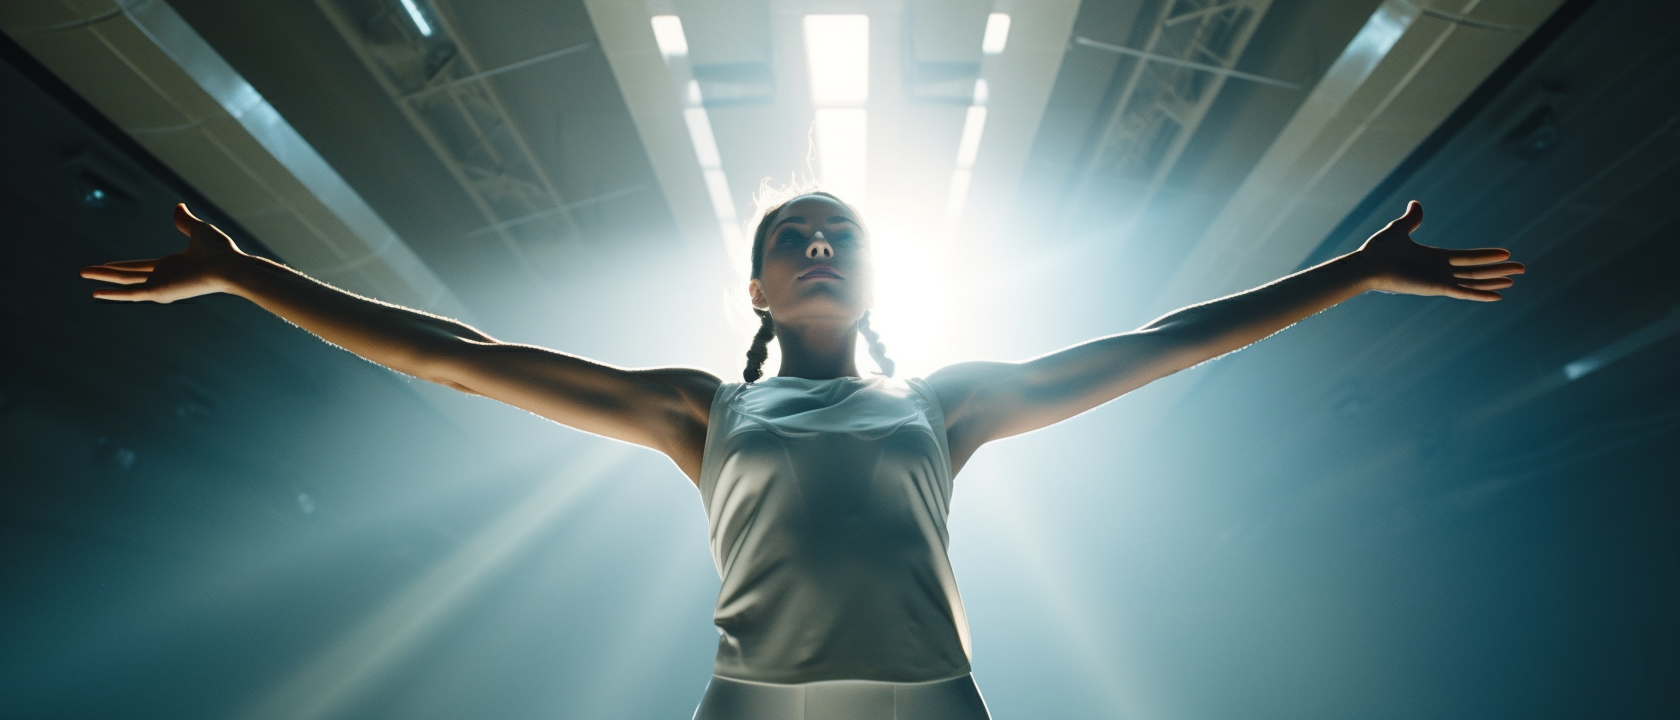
<point>953,699</point>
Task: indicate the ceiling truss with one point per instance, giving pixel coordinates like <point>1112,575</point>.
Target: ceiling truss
<point>444,94</point>
<point>1192,49</point>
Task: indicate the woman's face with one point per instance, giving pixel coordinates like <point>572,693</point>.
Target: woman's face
<point>816,264</point>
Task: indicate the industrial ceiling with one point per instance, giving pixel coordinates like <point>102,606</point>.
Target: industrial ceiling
<point>1402,508</point>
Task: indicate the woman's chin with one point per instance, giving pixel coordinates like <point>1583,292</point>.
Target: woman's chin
<point>816,310</point>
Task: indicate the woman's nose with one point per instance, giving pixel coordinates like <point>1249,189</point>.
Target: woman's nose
<point>819,247</point>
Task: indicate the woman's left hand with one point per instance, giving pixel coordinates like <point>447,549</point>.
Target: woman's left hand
<point>1399,265</point>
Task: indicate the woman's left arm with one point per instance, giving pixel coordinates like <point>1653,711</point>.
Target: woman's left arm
<point>986,401</point>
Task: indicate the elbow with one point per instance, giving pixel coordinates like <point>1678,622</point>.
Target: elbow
<point>441,364</point>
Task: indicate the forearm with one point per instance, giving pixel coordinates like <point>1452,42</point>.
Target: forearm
<point>1220,326</point>
<point>393,336</point>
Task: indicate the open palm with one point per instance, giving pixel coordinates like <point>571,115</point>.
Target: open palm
<point>1403,266</point>
<point>198,270</point>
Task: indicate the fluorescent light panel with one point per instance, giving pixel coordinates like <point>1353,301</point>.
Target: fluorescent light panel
<point>842,137</point>
<point>414,14</point>
<point>969,147</point>
<point>718,187</point>
<point>960,179</point>
<point>668,32</point>
<point>700,132</point>
<point>997,34</point>
<point>837,54</point>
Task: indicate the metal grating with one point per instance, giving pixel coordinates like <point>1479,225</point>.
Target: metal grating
<point>1193,47</point>
<point>445,95</point>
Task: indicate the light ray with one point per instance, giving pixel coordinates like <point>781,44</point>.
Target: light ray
<point>342,671</point>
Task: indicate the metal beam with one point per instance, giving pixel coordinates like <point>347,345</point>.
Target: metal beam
<point>143,66</point>
<point>1204,67</point>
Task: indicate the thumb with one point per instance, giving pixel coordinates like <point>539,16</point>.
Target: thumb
<point>185,220</point>
<point>1412,218</point>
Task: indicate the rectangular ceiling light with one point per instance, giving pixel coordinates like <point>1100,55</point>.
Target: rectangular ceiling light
<point>414,14</point>
<point>700,132</point>
<point>837,53</point>
<point>717,186</point>
<point>969,147</point>
<point>997,34</point>
<point>960,179</point>
<point>842,136</point>
<point>668,32</point>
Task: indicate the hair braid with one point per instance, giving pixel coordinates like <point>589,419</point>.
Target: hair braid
<point>877,349</point>
<point>760,347</point>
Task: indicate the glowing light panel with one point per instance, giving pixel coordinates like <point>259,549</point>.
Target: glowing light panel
<point>842,135</point>
<point>718,187</point>
<point>700,132</point>
<point>969,147</point>
<point>414,14</point>
<point>997,34</point>
<point>837,54</point>
<point>668,32</point>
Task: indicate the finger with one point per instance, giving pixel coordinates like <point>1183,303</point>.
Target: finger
<point>1488,284</point>
<point>115,275</point>
<point>1477,256</point>
<point>1464,293</point>
<point>131,264</point>
<point>1412,218</point>
<point>1489,271</point>
<point>134,294</point>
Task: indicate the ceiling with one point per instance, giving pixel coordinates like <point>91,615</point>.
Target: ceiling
<point>1404,507</point>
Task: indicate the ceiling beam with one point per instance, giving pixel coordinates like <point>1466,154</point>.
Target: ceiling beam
<point>145,68</point>
<point>1398,80</point>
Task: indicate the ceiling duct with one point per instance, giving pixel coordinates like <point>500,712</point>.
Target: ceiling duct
<point>729,51</point>
<point>942,50</point>
<point>748,83</point>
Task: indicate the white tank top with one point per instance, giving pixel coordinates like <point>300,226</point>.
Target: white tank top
<point>826,501</point>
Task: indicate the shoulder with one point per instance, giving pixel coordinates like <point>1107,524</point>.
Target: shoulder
<point>961,387</point>
<point>693,388</point>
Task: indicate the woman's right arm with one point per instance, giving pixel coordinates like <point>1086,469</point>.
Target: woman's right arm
<point>664,409</point>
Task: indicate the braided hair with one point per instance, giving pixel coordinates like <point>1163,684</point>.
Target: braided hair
<point>760,346</point>
<point>760,350</point>
<point>877,349</point>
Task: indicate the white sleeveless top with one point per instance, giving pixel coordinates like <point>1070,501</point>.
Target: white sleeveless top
<point>827,502</point>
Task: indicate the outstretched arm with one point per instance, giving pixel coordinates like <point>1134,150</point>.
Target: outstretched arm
<point>665,409</point>
<point>986,401</point>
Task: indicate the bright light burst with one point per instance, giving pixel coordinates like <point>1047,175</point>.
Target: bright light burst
<point>910,298</point>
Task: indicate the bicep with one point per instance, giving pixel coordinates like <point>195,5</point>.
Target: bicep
<point>988,401</point>
<point>664,409</point>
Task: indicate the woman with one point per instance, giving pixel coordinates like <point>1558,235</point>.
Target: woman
<point>826,491</point>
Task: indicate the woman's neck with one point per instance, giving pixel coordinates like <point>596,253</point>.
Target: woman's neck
<point>818,351</point>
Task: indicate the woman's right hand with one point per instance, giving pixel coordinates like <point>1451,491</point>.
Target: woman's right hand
<point>201,269</point>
